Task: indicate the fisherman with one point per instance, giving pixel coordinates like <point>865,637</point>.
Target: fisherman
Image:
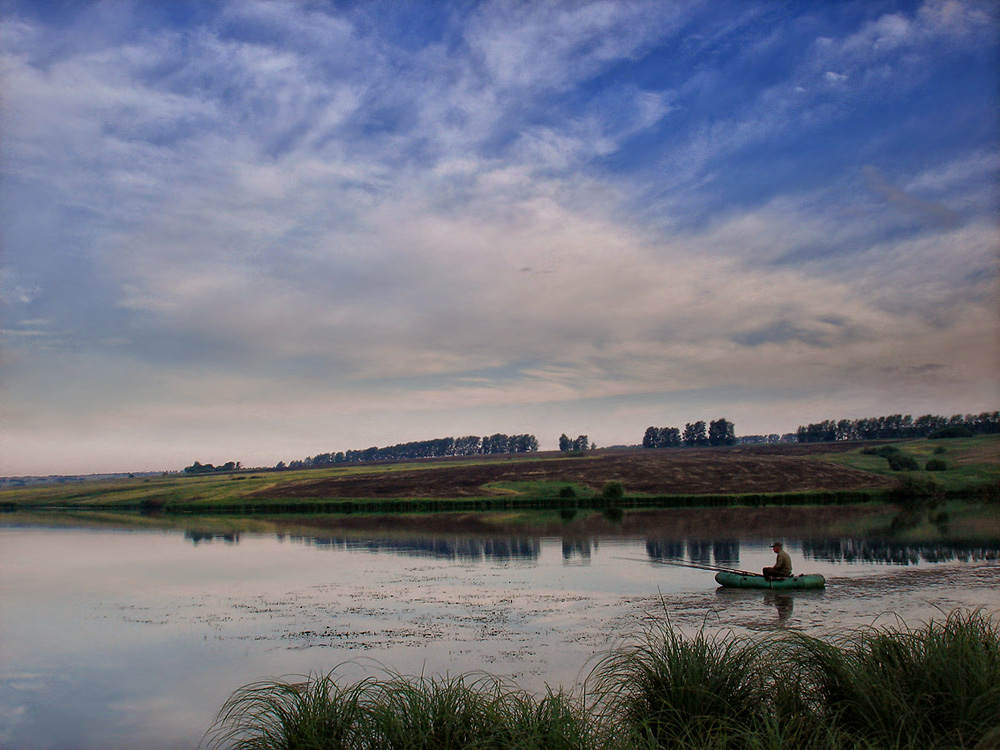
<point>782,565</point>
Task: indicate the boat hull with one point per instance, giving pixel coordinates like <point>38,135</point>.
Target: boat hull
<point>737,581</point>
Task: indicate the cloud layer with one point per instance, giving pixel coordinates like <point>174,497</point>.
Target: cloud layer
<point>261,230</point>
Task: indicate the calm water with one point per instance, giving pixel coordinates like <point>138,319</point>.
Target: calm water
<point>133,639</point>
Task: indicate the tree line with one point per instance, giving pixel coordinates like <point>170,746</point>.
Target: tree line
<point>581,443</point>
<point>470,445</point>
<point>200,468</point>
<point>718,432</point>
<point>898,426</point>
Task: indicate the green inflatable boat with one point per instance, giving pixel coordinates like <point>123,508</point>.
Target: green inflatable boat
<point>738,581</point>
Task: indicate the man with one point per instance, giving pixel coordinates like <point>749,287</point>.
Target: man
<point>782,565</point>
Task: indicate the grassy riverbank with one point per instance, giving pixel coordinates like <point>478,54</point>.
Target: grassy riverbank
<point>933,687</point>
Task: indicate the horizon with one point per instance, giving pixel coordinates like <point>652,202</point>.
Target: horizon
<point>263,230</point>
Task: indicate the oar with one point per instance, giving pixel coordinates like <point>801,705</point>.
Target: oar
<point>697,566</point>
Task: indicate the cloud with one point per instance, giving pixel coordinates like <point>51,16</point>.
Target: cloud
<point>934,212</point>
<point>287,215</point>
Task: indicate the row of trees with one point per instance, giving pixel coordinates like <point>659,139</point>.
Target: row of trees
<point>470,445</point>
<point>898,426</point>
<point>581,443</point>
<point>718,432</point>
<point>200,468</point>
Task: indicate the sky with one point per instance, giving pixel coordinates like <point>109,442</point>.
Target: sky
<point>265,229</point>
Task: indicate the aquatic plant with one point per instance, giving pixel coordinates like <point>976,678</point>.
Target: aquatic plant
<point>934,687</point>
<point>400,713</point>
<point>272,714</point>
<point>669,690</point>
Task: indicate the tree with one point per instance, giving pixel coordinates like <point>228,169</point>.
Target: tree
<point>694,434</point>
<point>565,443</point>
<point>721,432</point>
<point>651,438</point>
<point>581,443</point>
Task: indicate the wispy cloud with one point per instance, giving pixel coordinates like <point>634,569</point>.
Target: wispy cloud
<point>353,229</point>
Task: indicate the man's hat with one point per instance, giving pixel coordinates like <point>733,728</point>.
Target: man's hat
<point>776,544</point>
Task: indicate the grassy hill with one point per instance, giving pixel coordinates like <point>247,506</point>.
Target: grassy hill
<point>820,473</point>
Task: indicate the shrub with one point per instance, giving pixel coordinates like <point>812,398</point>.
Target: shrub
<point>937,464</point>
<point>917,492</point>
<point>613,491</point>
<point>902,462</point>
<point>940,450</point>
<point>567,492</point>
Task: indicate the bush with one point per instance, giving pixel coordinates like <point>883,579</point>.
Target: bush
<point>937,464</point>
<point>613,491</point>
<point>567,492</point>
<point>940,450</point>
<point>902,462</point>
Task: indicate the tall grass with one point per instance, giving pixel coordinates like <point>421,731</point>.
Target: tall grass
<point>934,687</point>
<point>684,691</point>
<point>401,713</point>
<point>931,688</point>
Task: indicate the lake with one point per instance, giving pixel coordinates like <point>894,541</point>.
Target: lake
<point>114,638</point>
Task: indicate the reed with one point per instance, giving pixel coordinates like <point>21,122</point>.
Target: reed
<point>317,714</point>
<point>674,691</point>
<point>401,713</point>
<point>937,686</point>
<point>934,687</point>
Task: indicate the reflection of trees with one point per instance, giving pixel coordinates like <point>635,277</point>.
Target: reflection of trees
<point>724,552</point>
<point>469,549</point>
<point>896,553</point>
<point>577,547</point>
<point>665,549</point>
<point>199,537</point>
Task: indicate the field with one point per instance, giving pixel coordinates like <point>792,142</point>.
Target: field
<point>755,475</point>
<point>699,471</point>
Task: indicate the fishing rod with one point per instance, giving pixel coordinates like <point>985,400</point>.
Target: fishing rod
<point>697,566</point>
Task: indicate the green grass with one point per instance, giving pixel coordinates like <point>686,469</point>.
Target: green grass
<point>400,713</point>
<point>972,462</point>
<point>935,687</point>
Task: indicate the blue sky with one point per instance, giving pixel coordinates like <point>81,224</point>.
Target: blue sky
<point>258,231</point>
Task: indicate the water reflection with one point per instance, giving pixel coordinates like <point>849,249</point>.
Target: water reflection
<point>895,553</point>
<point>202,537</point>
<point>783,602</point>
<point>719,552</point>
<point>726,552</point>
<point>581,548</point>
<point>465,549</point>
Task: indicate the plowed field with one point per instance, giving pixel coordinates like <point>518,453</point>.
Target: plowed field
<point>791,468</point>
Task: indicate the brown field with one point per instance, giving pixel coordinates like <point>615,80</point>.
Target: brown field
<point>745,469</point>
